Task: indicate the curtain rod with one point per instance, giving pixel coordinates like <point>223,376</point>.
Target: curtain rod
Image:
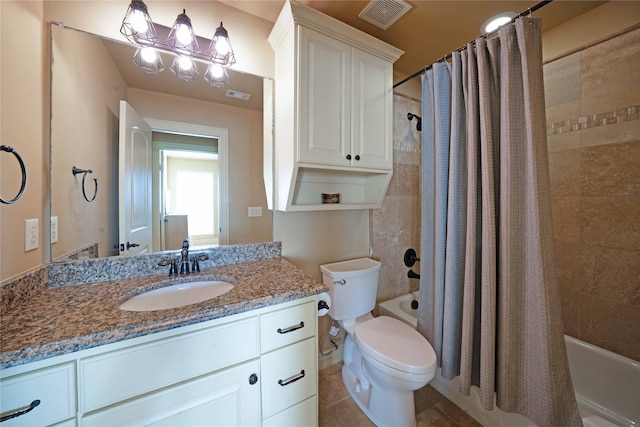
<point>484,36</point>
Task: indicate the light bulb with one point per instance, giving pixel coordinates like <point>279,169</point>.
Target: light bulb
<point>138,21</point>
<point>215,71</point>
<point>149,55</point>
<point>185,63</point>
<point>222,46</point>
<point>183,34</point>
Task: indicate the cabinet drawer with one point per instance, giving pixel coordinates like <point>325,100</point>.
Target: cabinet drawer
<point>304,414</point>
<point>122,374</point>
<point>287,326</point>
<point>55,387</point>
<point>226,398</point>
<point>289,376</point>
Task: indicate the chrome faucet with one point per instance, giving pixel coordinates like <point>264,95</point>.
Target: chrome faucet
<point>184,257</point>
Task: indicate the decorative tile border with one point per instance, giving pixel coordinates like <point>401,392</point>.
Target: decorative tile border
<point>594,120</point>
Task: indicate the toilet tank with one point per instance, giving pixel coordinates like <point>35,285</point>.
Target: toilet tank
<point>353,285</point>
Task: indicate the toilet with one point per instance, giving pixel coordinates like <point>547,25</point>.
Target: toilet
<point>385,360</point>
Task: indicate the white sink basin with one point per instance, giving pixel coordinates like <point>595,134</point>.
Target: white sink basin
<point>177,295</point>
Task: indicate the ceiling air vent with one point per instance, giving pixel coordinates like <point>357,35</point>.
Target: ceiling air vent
<point>238,95</point>
<point>383,13</point>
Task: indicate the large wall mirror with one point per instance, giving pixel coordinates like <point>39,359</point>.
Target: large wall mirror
<point>200,176</point>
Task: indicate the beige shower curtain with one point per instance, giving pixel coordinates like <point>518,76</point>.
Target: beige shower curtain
<point>489,301</point>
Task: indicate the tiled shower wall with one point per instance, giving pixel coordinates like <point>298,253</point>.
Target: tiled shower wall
<point>396,226</point>
<point>593,104</point>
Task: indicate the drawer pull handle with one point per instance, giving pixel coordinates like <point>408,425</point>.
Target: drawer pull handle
<point>291,379</point>
<point>291,328</point>
<point>20,411</point>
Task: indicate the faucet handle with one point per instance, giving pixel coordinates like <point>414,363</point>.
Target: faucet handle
<point>195,265</point>
<point>172,262</point>
<point>202,257</point>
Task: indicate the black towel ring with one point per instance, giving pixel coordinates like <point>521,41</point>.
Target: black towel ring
<point>76,171</point>
<point>24,175</point>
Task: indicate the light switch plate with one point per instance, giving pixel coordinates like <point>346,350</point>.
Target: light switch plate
<point>54,229</point>
<point>255,211</point>
<point>31,234</point>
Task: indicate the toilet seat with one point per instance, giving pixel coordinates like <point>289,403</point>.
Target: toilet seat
<point>396,345</point>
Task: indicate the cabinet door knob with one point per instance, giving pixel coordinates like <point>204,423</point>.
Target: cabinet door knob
<point>253,378</point>
<point>357,157</point>
<point>348,156</point>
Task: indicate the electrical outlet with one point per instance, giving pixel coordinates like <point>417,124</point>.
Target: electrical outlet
<point>54,229</point>
<point>255,211</point>
<point>31,235</point>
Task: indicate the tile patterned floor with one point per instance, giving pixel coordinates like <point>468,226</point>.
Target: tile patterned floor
<point>337,409</point>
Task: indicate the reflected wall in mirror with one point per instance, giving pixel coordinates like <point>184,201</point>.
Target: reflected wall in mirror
<point>90,76</point>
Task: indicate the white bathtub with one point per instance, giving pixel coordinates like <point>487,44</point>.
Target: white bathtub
<point>607,385</point>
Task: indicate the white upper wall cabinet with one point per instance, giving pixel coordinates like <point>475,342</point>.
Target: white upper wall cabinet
<point>332,114</point>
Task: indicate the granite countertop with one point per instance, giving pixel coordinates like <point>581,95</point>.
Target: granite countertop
<point>70,318</point>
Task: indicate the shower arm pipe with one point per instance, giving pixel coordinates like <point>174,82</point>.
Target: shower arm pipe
<point>484,36</point>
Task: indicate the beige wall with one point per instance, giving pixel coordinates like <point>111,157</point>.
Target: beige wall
<point>84,131</point>
<point>21,127</point>
<point>593,122</point>
<point>590,27</point>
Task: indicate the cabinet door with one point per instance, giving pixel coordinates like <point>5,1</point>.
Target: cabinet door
<point>324,128</point>
<point>228,398</point>
<point>372,112</point>
<point>53,388</point>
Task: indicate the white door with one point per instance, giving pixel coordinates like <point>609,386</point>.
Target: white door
<point>134,183</point>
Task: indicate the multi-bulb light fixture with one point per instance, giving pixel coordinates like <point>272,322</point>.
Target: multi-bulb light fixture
<point>181,42</point>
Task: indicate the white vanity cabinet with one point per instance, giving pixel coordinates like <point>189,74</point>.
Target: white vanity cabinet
<point>333,113</point>
<point>223,372</point>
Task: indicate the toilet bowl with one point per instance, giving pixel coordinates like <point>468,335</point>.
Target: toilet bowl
<point>385,360</point>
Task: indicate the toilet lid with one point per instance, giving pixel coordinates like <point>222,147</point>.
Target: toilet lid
<point>395,344</point>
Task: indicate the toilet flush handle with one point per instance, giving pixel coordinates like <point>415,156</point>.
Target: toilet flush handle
<point>340,282</point>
